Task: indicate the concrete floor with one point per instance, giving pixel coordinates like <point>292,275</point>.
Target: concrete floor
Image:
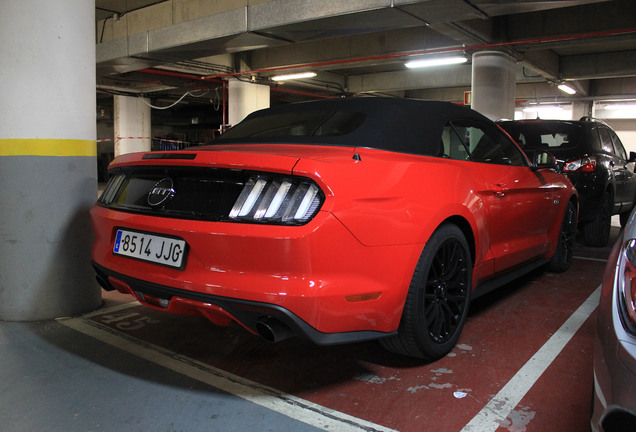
<point>523,363</point>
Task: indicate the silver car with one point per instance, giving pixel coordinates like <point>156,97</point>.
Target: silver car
<point>615,343</point>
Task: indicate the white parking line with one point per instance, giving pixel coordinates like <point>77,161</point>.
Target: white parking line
<point>111,309</point>
<point>604,260</point>
<point>289,405</point>
<point>497,410</point>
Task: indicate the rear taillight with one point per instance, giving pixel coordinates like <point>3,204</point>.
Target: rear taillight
<point>585,165</point>
<point>285,200</point>
<point>627,285</point>
<point>111,189</point>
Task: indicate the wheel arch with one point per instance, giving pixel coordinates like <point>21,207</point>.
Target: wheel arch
<point>467,230</point>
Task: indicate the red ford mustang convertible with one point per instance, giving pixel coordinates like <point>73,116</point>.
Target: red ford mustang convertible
<point>336,221</point>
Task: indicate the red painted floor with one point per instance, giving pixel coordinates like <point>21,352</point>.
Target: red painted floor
<point>504,330</point>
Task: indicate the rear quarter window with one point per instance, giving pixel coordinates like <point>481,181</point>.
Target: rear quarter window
<point>606,140</point>
<point>618,145</point>
<point>470,140</point>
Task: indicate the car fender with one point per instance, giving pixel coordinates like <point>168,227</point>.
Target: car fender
<point>563,193</point>
<point>389,198</point>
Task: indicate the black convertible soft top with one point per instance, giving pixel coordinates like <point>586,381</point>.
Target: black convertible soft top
<point>401,125</point>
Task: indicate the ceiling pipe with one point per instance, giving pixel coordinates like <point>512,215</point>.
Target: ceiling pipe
<point>219,78</point>
<point>180,75</point>
<point>537,41</point>
<point>223,83</point>
<point>566,99</point>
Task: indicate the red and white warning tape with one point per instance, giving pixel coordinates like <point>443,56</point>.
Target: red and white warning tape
<point>173,141</point>
<point>120,138</point>
<point>160,139</point>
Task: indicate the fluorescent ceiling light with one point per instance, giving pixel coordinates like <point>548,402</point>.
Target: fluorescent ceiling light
<point>566,88</point>
<point>294,76</point>
<point>440,61</point>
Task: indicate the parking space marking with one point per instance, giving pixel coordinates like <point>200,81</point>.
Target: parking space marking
<point>111,309</point>
<point>283,403</point>
<point>603,260</point>
<point>497,410</point>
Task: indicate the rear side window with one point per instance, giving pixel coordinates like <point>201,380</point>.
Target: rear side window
<point>606,140</point>
<point>454,145</point>
<point>469,140</point>
<point>618,145</point>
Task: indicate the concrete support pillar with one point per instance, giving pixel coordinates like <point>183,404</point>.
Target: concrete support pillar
<point>48,170</point>
<point>132,124</point>
<point>493,84</point>
<point>245,98</point>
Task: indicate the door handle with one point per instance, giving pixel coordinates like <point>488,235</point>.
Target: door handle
<point>500,190</point>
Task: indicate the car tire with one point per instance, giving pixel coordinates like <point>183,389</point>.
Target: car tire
<point>436,305</point>
<point>564,252</point>
<point>597,232</point>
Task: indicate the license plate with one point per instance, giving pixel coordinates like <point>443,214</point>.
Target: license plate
<point>153,248</point>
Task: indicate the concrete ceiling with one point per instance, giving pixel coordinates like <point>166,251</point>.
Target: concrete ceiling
<point>162,49</point>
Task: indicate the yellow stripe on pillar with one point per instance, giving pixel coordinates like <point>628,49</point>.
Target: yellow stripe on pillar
<point>47,147</point>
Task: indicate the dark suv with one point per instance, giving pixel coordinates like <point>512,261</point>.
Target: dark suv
<point>593,157</point>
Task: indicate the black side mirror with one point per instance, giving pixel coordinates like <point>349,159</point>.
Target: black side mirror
<point>542,159</point>
<point>632,156</point>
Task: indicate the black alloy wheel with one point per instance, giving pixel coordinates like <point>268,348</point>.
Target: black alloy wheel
<point>437,301</point>
<point>445,294</point>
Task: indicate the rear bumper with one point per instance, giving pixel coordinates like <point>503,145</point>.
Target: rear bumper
<point>317,279</point>
<point>590,192</point>
<point>270,321</point>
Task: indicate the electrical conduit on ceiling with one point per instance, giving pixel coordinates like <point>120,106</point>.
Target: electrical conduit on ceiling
<point>538,41</point>
<point>219,78</point>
